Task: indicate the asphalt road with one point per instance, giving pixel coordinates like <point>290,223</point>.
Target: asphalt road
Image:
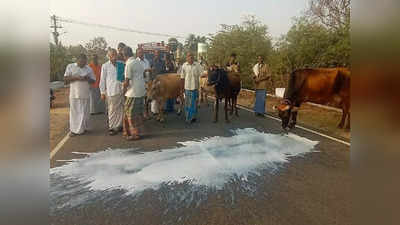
<point>312,189</point>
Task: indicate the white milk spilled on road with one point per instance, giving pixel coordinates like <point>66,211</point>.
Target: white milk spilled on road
<point>210,162</point>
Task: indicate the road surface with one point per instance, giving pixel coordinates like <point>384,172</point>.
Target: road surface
<point>310,188</point>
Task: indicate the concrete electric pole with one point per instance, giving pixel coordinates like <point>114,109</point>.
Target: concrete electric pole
<point>54,25</point>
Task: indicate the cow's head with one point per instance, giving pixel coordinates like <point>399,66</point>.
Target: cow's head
<point>212,77</point>
<point>284,111</point>
<point>153,89</point>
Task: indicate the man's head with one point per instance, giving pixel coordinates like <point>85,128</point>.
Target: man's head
<point>112,55</point>
<point>82,60</point>
<point>190,58</point>
<point>95,59</point>
<point>127,52</point>
<point>233,56</point>
<point>156,54</point>
<point>139,53</point>
<point>120,47</point>
<point>260,59</point>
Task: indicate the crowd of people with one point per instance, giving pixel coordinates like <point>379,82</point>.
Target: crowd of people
<point>118,88</point>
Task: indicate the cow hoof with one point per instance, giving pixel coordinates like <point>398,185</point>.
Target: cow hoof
<point>178,113</point>
<point>292,125</point>
<point>162,120</point>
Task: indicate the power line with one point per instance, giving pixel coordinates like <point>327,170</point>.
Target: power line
<point>66,20</point>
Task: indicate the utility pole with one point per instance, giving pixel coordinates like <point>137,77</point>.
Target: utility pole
<point>55,26</point>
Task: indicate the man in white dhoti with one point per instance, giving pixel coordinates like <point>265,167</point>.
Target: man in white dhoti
<point>111,89</point>
<point>79,75</point>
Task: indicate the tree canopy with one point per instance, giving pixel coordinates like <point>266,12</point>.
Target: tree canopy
<point>247,40</point>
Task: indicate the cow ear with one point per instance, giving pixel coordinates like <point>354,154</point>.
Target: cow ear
<point>286,107</point>
<point>283,107</point>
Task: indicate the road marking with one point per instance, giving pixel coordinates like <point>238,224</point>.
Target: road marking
<point>58,146</point>
<point>298,126</point>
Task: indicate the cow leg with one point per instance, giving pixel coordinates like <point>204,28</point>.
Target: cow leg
<point>226,110</point>
<point>180,105</point>
<point>348,116</point>
<point>293,116</point>
<point>201,95</point>
<point>161,110</point>
<point>236,108</point>
<point>216,103</point>
<point>231,101</point>
<point>348,121</point>
<point>292,124</point>
<point>342,121</point>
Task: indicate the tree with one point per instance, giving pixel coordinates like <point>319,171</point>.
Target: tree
<point>59,59</point>
<point>75,50</point>
<point>97,46</point>
<point>247,40</point>
<point>191,43</point>
<point>173,44</point>
<point>334,14</point>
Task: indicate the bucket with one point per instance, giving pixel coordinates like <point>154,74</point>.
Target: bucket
<point>279,92</point>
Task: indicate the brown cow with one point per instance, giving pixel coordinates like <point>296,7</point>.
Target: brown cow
<point>321,86</point>
<point>205,90</point>
<point>164,87</point>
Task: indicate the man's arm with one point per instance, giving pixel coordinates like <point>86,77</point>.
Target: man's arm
<point>90,77</point>
<point>127,78</point>
<point>69,77</point>
<point>102,85</point>
<point>264,74</point>
<point>182,74</point>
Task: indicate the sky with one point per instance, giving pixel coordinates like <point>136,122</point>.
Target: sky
<point>175,17</point>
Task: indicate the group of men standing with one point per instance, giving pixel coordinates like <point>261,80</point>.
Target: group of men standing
<point>119,86</point>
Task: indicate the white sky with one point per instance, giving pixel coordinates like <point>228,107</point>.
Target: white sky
<point>176,17</point>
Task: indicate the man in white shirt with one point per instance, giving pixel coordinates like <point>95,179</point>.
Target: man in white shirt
<point>111,89</point>
<point>79,75</point>
<point>135,92</point>
<point>190,75</point>
<point>147,73</point>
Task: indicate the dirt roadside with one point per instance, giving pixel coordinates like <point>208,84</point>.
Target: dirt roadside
<point>59,117</point>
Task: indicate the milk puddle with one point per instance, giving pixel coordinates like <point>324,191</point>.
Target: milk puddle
<point>208,164</point>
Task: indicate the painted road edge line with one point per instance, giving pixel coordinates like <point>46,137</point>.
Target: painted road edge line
<point>303,128</point>
<point>58,146</point>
